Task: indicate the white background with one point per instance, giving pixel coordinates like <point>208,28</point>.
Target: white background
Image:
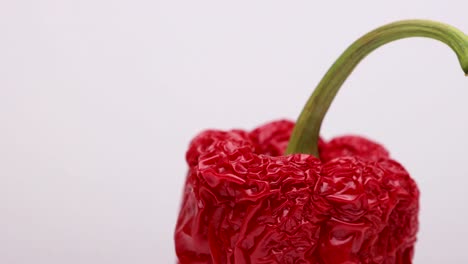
<point>99,99</point>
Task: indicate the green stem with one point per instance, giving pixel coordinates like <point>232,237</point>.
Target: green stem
<point>305,135</point>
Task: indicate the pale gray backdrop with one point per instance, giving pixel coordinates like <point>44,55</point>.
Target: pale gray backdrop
<point>99,98</point>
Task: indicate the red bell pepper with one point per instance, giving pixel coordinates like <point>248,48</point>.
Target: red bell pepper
<point>280,194</point>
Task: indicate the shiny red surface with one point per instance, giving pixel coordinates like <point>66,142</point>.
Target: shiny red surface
<point>245,203</point>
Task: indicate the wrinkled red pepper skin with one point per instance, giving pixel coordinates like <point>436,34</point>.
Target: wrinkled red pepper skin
<point>246,203</point>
